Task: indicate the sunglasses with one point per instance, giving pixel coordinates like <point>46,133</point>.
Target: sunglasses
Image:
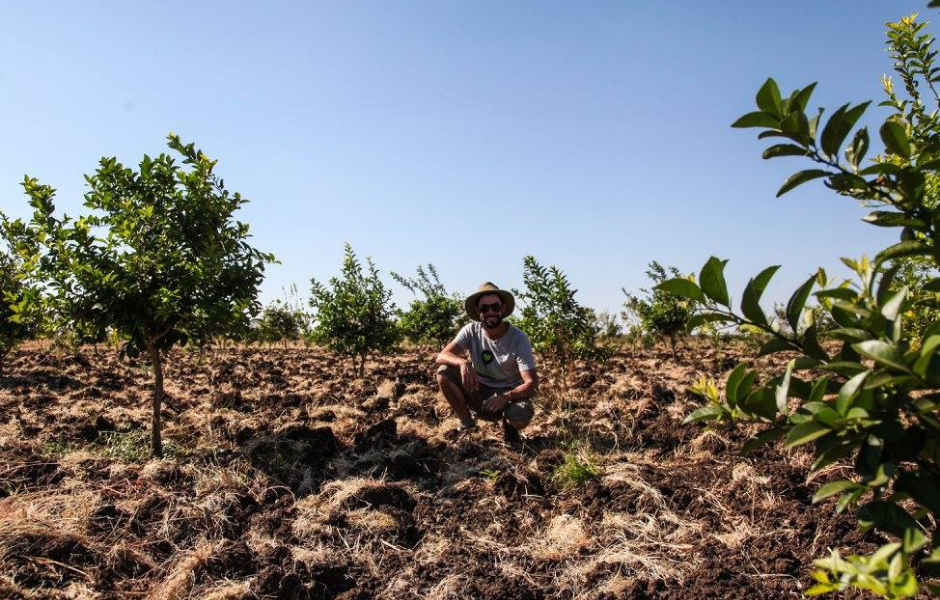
<point>495,307</point>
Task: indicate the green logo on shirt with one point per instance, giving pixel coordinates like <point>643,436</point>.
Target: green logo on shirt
<point>487,357</point>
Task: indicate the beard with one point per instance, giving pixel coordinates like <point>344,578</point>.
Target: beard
<point>492,322</point>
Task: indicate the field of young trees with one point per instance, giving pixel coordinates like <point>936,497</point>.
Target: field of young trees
<point>164,435</point>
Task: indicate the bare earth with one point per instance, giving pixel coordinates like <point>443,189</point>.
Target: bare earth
<point>287,478</point>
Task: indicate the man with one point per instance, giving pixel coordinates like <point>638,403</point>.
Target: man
<point>488,371</point>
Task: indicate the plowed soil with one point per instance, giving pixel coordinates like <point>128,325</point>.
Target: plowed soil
<point>288,478</point>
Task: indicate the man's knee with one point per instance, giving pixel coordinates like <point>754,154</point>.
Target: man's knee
<point>447,373</point>
<point>519,414</point>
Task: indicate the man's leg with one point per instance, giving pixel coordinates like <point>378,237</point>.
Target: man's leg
<point>518,414</point>
<point>448,379</point>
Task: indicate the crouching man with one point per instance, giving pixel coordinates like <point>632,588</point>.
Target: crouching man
<point>488,371</point>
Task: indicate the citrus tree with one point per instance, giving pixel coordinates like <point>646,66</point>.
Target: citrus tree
<point>554,321</point>
<point>160,252</point>
<point>915,274</point>
<point>433,317</point>
<point>281,322</point>
<point>19,319</point>
<point>354,315</point>
<point>662,314</point>
<point>874,399</point>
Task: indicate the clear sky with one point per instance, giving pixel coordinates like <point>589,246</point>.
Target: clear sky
<point>593,135</point>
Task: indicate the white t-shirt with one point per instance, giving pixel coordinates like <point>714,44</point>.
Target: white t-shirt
<point>498,363</point>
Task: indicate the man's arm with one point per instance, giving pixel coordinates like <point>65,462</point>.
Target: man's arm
<point>453,355</point>
<point>529,387</point>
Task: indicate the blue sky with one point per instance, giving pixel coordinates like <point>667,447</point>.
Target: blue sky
<point>593,135</point>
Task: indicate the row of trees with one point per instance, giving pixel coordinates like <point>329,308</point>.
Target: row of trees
<point>354,314</point>
<point>356,317</point>
<point>159,260</point>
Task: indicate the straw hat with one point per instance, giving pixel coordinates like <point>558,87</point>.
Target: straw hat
<point>470,305</point>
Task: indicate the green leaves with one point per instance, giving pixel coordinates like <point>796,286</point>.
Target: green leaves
<point>783,389</point>
<point>834,487</point>
<point>797,302</point>
<point>433,317</point>
<point>552,317</point>
<point>750,300</point>
<point>159,261</point>
<point>883,353</point>
<point>805,433</point>
<point>840,124</point>
<point>664,313</point>
<point>887,516</point>
<point>877,406</point>
<point>756,119</point>
<point>744,399</point>
<point>712,281</point>
<point>735,381</point>
<point>768,97</point>
<point>903,249</point>
<point>894,135</point>
<point>800,178</point>
<point>22,303</point>
<point>857,150</point>
<point>683,287</point>
<point>778,150</point>
<point>355,315</point>
<point>926,355</point>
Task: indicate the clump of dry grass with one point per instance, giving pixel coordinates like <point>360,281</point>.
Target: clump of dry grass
<point>450,587</point>
<point>351,499</point>
<point>226,590</point>
<point>653,540</point>
<point>372,521</point>
<point>63,510</point>
<point>564,537</point>
<point>34,549</point>
<point>180,575</point>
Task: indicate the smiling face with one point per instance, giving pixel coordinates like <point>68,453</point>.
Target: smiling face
<point>491,309</point>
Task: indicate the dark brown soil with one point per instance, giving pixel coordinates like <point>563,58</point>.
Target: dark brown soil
<point>288,478</point>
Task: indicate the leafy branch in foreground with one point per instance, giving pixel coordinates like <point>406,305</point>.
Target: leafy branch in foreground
<point>873,399</point>
<point>745,399</point>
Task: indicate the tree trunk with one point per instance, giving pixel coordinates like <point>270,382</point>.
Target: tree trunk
<point>157,364</point>
<point>362,365</point>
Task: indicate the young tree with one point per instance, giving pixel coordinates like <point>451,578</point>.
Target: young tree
<point>552,318</point>
<point>354,316</point>
<point>281,322</point>
<point>160,253</point>
<point>437,316</point>
<point>662,315</point>
<point>19,319</point>
<point>608,328</point>
<point>876,398</point>
<point>915,274</point>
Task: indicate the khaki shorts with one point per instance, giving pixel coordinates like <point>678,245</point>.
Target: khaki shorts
<point>518,412</point>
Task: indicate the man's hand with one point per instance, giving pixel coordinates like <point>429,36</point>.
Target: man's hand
<point>495,404</point>
<point>469,377</point>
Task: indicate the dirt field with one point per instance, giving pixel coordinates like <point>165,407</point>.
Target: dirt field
<point>285,478</point>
